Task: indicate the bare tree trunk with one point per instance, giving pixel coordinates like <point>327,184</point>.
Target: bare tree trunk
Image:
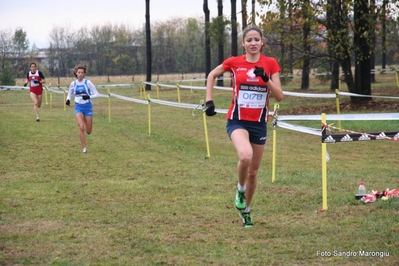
<point>372,61</point>
<point>383,40</point>
<point>362,53</point>
<point>207,40</point>
<point>306,48</point>
<point>338,34</point>
<point>244,14</point>
<point>290,46</point>
<point>305,73</point>
<point>347,70</point>
<point>373,40</point>
<point>332,27</point>
<point>221,39</point>
<point>283,33</point>
<point>334,75</point>
<point>148,43</point>
<point>234,42</point>
<point>253,13</point>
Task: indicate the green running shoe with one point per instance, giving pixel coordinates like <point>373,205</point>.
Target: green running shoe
<point>240,200</point>
<point>246,219</point>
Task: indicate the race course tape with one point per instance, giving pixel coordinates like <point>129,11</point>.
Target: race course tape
<point>329,117</point>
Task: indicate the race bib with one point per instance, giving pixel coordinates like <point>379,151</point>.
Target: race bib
<point>33,84</point>
<point>252,96</point>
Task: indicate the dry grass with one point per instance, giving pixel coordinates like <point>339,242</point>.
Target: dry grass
<point>136,199</point>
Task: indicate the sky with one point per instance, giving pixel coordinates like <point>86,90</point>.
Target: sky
<point>37,18</point>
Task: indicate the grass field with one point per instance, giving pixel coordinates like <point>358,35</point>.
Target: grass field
<point>140,199</point>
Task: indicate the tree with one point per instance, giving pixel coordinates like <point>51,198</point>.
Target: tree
<point>384,32</point>
<point>289,35</point>
<point>85,52</point>
<point>279,31</point>
<point>347,27</point>
<point>60,51</point>
<point>6,77</point>
<point>191,55</point>
<point>244,13</point>
<point>220,33</point>
<point>20,49</point>
<point>123,46</point>
<point>207,40</point>
<point>103,40</point>
<point>332,26</point>
<point>234,25</point>
<point>148,43</point>
<point>306,31</point>
<point>253,13</point>
<point>373,36</point>
<point>362,21</point>
<point>6,47</point>
<point>21,43</point>
<point>284,9</point>
<point>339,41</point>
<point>166,45</point>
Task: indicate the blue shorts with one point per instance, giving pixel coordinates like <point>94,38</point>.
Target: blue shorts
<point>257,130</point>
<point>86,109</point>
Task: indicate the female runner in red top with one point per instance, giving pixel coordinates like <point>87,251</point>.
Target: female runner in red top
<point>255,77</point>
<point>35,79</point>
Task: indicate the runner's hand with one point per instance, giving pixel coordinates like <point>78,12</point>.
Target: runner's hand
<point>210,108</point>
<point>259,71</point>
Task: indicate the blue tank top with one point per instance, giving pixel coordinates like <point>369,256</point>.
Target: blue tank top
<point>81,90</point>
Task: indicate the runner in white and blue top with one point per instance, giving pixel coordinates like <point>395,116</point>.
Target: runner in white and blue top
<point>84,90</point>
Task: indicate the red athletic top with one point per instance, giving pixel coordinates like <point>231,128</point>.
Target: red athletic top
<point>36,88</point>
<point>250,100</point>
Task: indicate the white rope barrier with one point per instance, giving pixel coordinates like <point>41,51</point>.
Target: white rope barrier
<point>59,90</point>
<point>128,98</point>
<point>114,85</point>
<point>223,88</point>
<point>360,95</point>
<point>160,85</point>
<point>103,95</point>
<point>365,116</point>
<point>287,93</point>
<point>302,129</point>
<point>192,87</point>
<point>174,104</point>
<point>8,88</point>
<point>310,95</point>
<point>331,117</point>
<point>347,117</point>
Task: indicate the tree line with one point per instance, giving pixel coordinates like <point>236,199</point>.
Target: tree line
<point>334,36</point>
<point>342,37</point>
<point>110,49</point>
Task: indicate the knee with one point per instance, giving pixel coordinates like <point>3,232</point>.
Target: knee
<point>88,129</point>
<point>252,175</point>
<point>245,158</point>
